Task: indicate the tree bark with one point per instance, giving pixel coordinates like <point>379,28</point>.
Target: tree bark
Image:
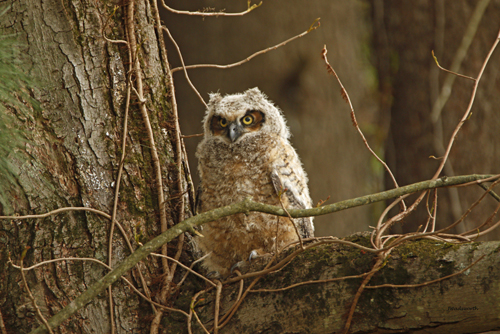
<point>465,303</point>
<point>72,157</point>
<point>404,35</point>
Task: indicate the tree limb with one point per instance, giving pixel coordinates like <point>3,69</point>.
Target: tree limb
<point>456,299</point>
<point>240,207</point>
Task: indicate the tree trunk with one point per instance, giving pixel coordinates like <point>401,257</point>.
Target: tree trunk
<point>72,158</point>
<point>465,303</point>
<point>404,34</point>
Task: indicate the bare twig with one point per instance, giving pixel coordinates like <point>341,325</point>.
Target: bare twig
<point>292,221</point>
<point>425,283</point>
<point>187,268</point>
<point>216,14</point>
<point>192,311</point>
<point>178,146</point>
<point>30,295</point>
<point>131,38</point>
<point>244,206</point>
<point>148,299</point>
<point>376,267</point>
<point>345,96</point>
<point>469,107</point>
<point>217,306</point>
<point>191,267</point>
<point>117,190</point>
<point>491,192</point>
<point>445,92</point>
<point>192,136</point>
<point>237,304</point>
<point>312,282</point>
<point>183,66</point>
<point>314,26</point>
<point>57,211</point>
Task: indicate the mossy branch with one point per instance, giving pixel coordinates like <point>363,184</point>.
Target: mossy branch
<point>241,207</point>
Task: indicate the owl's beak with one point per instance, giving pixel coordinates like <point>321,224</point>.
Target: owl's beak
<point>234,131</point>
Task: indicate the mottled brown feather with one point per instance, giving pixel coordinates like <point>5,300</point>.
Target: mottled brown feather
<point>251,166</point>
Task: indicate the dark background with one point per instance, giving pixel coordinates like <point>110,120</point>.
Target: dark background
<point>382,52</point>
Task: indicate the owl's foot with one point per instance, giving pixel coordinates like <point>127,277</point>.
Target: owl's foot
<point>253,255</point>
<point>257,254</point>
<point>213,275</point>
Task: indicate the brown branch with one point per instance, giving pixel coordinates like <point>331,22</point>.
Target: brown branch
<point>376,267</point>
<point>192,311</point>
<point>148,299</point>
<point>178,149</point>
<point>117,188</point>
<point>192,136</point>
<point>186,267</point>
<point>293,223</point>
<point>244,206</point>
<point>312,282</point>
<point>425,283</point>
<point>469,107</point>
<point>470,31</point>
<point>30,295</point>
<point>57,211</point>
<point>314,26</point>
<point>183,66</point>
<point>237,304</point>
<point>139,90</point>
<point>217,306</point>
<point>216,14</point>
<point>345,96</point>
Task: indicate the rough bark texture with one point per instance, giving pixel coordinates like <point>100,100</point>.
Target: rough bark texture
<point>467,303</point>
<point>72,158</point>
<point>404,34</point>
<point>73,154</point>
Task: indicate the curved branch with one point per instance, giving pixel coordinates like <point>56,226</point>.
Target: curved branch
<point>244,206</point>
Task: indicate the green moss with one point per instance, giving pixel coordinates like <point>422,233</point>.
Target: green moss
<point>428,251</point>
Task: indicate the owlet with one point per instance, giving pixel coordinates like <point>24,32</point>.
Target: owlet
<point>246,152</point>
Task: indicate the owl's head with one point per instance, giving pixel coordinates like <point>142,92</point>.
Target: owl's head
<point>236,117</point>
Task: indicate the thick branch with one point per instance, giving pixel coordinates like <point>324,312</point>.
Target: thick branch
<point>244,206</point>
<point>465,303</point>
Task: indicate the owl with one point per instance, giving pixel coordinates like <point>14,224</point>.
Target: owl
<point>246,153</point>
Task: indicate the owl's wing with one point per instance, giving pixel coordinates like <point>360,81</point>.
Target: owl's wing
<point>296,195</point>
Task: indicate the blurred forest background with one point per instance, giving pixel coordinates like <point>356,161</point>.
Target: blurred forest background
<point>382,52</point>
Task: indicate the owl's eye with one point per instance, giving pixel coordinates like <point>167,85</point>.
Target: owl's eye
<point>247,120</point>
<point>223,122</point>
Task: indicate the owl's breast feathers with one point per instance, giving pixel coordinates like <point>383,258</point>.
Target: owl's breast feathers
<point>231,173</point>
<point>245,153</point>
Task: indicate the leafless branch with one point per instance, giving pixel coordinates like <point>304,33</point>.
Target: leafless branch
<point>314,26</point>
<point>345,96</point>
<point>30,295</point>
<point>209,13</point>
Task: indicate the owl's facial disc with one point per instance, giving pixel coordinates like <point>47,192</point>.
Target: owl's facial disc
<point>235,128</point>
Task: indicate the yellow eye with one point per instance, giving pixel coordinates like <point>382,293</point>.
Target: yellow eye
<point>223,122</point>
<point>247,120</point>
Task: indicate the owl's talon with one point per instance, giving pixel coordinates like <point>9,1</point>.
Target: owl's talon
<point>236,266</point>
<point>253,255</point>
<point>213,275</point>
<point>246,152</point>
